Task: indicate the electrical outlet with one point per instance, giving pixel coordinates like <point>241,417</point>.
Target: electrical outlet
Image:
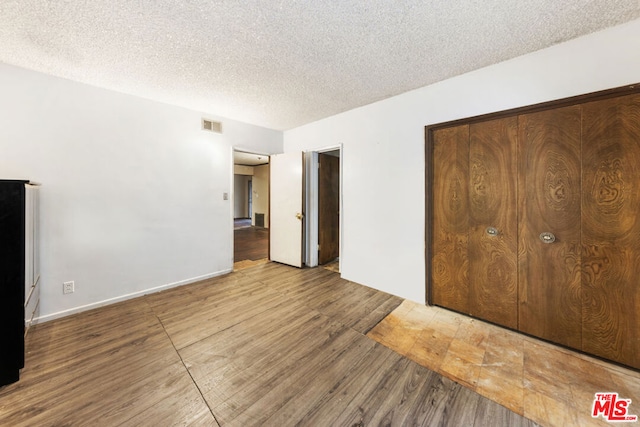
<point>68,287</point>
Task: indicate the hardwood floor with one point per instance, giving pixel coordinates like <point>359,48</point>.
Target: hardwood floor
<point>241,223</point>
<point>269,345</point>
<point>250,243</point>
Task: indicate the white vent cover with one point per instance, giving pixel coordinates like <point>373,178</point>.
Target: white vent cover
<point>211,126</point>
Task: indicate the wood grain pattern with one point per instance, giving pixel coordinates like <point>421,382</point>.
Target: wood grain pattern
<point>544,382</point>
<point>270,345</point>
<point>549,193</point>
<point>580,291</point>
<point>493,281</point>
<point>103,367</point>
<point>328,208</point>
<point>250,243</point>
<point>611,229</point>
<point>449,267</point>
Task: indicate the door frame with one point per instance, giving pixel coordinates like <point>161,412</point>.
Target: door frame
<point>311,205</point>
<point>310,201</point>
<point>232,197</point>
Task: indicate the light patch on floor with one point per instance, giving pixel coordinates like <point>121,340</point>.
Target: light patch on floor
<point>333,266</point>
<point>548,384</point>
<point>247,263</point>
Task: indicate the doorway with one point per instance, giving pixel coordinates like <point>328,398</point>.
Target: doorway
<point>299,194</point>
<point>251,208</point>
<point>323,203</point>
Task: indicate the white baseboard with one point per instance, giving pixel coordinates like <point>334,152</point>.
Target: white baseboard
<point>64,313</point>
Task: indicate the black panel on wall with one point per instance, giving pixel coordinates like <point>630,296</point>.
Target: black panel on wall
<point>12,277</point>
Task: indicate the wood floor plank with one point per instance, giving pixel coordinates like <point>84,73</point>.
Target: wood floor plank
<point>222,376</point>
<point>143,372</point>
<point>272,272</point>
<point>309,372</point>
<point>326,292</point>
<point>180,404</point>
<point>196,296</point>
<point>79,335</point>
<point>170,305</point>
<point>146,390</point>
<point>490,414</point>
<point>365,375</point>
<point>219,315</point>
<point>97,348</point>
<point>461,409</point>
<point>250,243</point>
<point>412,395</point>
<point>125,365</point>
<point>268,345</point>
<point>401,395</point>
<point>303,362</point>
<point>316,292</point>
<point>310,394</point>
<point>217,360</point>
<point>342,292</point>
<point>371,318</point>
<point>364,315</point>
<point>304,286</point>
<point>432,405</point>
<point>372,397</point>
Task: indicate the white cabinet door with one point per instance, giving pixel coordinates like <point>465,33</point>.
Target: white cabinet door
<point>286,209</point>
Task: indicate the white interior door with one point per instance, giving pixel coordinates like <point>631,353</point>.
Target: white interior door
<point>285,233</point>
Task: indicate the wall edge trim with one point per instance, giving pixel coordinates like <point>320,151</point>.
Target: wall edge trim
<point>103,303</point>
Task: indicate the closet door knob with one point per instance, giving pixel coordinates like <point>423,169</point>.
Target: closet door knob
<point>547,237</point>
<point>492,231</point>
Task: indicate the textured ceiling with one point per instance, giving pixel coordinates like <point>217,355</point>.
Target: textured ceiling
<point>284,63</point>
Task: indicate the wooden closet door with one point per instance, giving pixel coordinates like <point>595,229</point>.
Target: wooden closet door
<point>449,266</point>
<point>493,291</point>
<point>328,208</point>
<point>549,201</point>
<point>611,229</point>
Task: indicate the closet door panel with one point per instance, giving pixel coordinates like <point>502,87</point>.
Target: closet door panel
<point>449,267</point>
<point>549,192</point>
<point>493,221</point>
<point>611,229</point>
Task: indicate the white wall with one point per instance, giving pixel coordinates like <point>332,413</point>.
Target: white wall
<point>383,153</point>
<point>132,190</point>
<point>241,196</point>
<point>260,199</point>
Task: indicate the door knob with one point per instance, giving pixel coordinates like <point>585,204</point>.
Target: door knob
<point>299,216</point>
<point>547,237</point>
<point>492,231</point>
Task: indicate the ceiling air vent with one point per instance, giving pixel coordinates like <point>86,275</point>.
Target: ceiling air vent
<point>211,126</point>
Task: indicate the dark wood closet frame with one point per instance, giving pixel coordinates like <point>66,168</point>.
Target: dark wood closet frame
<point>429,130</point>
<point>592,138</point>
